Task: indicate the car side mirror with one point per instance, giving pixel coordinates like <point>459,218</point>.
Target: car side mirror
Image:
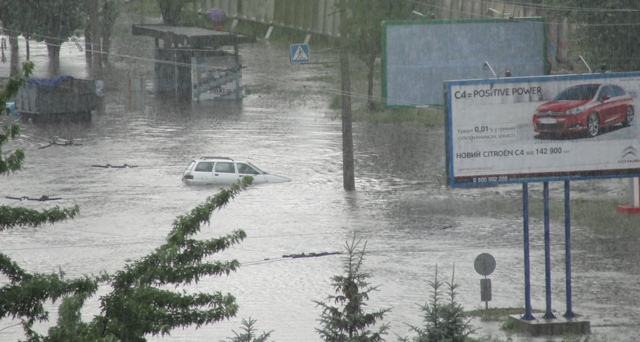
<point>605,97</point>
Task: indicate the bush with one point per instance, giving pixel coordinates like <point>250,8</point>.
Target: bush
<point>443,320</point>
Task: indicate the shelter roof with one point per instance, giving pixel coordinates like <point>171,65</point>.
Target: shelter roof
<point>194,37</point>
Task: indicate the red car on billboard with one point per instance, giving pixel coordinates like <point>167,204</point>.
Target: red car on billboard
<point>584,109</point>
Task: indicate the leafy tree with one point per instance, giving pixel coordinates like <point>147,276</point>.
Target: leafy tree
<point>604,32</point>
<point>14,25</point>
<point>137,305</point>
<point>443,321</point>
<point>249,333</point>
<point>23,297</point>
<point>139,302</point>
<point>364,24</point>
<point>348,322</point>
<point>172,10</point>
<point>11,217</point>
<point>109,12</point>
<point>54,22</point>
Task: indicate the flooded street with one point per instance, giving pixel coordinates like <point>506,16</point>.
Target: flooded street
<point>412,222</point>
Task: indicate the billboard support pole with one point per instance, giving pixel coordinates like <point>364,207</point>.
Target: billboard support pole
<point>547,252</point>
<point>567,248</point>
<point>634,205</point>
<point>527,271</point>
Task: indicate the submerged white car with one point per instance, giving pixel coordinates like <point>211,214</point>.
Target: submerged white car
<point>225,171</point>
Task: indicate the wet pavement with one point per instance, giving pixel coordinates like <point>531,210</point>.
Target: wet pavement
<point>411,221</point>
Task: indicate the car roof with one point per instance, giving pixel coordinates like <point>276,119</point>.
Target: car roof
<point>218,158</point>
<point>215,158</point>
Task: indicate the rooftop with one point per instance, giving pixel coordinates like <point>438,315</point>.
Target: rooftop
<point>195,37</point>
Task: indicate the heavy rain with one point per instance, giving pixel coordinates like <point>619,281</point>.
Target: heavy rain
<point>123,168</point>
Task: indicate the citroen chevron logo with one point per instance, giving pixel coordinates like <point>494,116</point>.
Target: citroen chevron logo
<point>629,151</point>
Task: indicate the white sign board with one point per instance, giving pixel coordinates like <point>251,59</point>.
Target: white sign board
<point>418,55</point>
<point>216,78</point>
<point>529,129</point>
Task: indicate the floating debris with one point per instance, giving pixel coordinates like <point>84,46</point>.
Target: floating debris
<point>310,255</point>
<point>63,143</point>
<point>40,199</point>
<point>109,166</point>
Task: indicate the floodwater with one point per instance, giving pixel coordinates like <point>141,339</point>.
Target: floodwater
<point>412,223</point>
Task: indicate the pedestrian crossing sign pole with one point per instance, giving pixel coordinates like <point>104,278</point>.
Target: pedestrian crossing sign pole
<point>299,53</point>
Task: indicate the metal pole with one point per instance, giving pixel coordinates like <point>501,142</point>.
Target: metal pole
<point>547,251</point>
<point>348,163</point>
<point>527,272</point>
<point>567,248</point>
<point>486,301</point>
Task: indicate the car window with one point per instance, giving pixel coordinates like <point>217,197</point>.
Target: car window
<point>578,93</point>
<point>204,167</point>
<point>606,90</point>
<point>225,167</point>
<point>246,169</point>
<point>618,91</point>
<point>190,166</point>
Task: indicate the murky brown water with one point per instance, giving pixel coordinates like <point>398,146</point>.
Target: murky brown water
<point>410,220</point>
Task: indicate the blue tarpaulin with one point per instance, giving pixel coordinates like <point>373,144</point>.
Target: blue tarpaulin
<point>49,84</point>
<point>10,108</point>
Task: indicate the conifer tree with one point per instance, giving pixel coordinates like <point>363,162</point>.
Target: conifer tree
<point>444,321</point>
<point>249,333</point>
<point>347,321</point>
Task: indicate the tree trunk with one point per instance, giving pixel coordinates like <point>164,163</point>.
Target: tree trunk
<point>96,45</point>
<point>27,47</point>
<point>14,56</point>
<point>106,47</point>
<point>348,167</point>
<point>371,64</point>
<point>87,42</point>
<point>53,51</point>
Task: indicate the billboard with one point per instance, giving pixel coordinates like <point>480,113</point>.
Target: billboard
<point>532,129</point>
<point>216,78</point>
<point>419,55</point>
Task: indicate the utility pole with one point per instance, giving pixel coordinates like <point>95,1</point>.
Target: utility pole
<point>348,167</point>
<point>96,46</point>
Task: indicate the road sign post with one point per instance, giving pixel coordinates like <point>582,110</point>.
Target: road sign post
<point>485,264</point>
<point>299,53</point>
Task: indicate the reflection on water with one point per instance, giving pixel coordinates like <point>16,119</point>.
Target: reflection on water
<point>411,221</point>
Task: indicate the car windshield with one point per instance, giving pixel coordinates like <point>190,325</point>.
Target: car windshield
<point>246,169</point>
<point>578,93</point>
<point>255,167</point>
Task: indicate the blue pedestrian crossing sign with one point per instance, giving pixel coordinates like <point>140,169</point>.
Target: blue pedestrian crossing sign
<point>299,53</point>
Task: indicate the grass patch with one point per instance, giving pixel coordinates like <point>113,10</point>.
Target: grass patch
<point>423,117</point>
<point>598,214</point>
<point>280,34</point>
<point>494,314</point>
<point>262,88</point>
<point>324,78</point>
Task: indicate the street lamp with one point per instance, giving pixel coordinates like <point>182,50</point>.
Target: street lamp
<point>487,66</point>
<point>506,72</point>
<point>585,63</point>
